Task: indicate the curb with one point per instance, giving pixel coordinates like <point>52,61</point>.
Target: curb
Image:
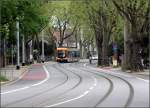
<point>136,74</point>
<point>16,79</point>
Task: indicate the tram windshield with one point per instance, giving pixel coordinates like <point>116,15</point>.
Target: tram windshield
<point>61,54</point>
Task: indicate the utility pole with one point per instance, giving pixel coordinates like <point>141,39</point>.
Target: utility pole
<point>82,48</point>
<point>23,46</point>
<point>43,57</point>
<point>23,51</point>
<point>17,36</point>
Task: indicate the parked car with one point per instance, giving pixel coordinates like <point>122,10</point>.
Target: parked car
<point>94,57</point>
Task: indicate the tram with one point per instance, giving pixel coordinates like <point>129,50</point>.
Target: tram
<point>67,55</point>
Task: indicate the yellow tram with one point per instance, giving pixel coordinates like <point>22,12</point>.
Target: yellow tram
<point>67,55</point>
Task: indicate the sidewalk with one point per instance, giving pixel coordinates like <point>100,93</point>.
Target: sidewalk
<point>11,73</point>
<point>145,74</point>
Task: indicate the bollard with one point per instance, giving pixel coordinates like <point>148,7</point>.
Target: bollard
<point>12,73</point>
<point>5,72</point>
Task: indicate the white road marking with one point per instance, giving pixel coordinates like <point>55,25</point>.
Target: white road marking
<point>26,87</point>
<point>120,74</point>
<point>86,92</point>
<point>114,73</point>
<point>95,82</point>
<point>67,101</point>
<point>80,96</point>
<point>47,77</point>
<point>16,90</point>
<point>128,76</point>
<point>143,79</point>
<point>91,88</point>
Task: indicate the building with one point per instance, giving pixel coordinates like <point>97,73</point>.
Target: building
<point>68,42</point>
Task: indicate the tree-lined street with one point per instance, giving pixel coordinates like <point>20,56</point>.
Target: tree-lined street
<point>117,30</point>
<point>74,53</point>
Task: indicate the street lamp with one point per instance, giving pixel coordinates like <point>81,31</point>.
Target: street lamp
<point>23,51</point>
<point>17,36</point>
<point>43,57</point>
<point>23,42</point>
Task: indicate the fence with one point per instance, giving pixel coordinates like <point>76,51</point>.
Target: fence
<point>8,73</point>
<point>11,73</point>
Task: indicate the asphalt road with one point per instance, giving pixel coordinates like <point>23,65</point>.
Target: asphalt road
<point>74,85</point>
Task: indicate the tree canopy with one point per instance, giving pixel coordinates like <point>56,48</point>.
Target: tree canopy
<point>104,22</point>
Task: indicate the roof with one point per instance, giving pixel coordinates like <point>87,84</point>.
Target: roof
<point>69,49</point>
<point>62,48</point>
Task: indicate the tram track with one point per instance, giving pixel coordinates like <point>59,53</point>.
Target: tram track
<point>43,92</point>
<point>70,89</point>
<point>40,93</point>
<point>131,89</point>
<point>75,84</point>
<point>109,90</point>
<point>78,96</point>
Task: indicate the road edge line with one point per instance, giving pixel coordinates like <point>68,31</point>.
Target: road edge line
<point>120,74</point>
<point>26,87</point>
<point>16,79</point>
<point>78,97</point>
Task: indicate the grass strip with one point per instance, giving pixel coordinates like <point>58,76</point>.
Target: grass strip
<point>2,78</point>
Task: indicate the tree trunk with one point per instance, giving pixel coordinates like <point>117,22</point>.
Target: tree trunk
<point>105,54</point>
<point>99,48</point>
<point>136,64</point>
<point>60,44</point>
<point>12,54</point>
<point>1,60</point>
<point>127,50</point>
<point>4,53</point>
<point>38,47</point>
<point>105,42</point>
<point>136,59</point>
<point>80,45</point>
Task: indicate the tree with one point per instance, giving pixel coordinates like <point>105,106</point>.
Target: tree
<point>62,20</point>
<point>102,19</point>
<point>31,18</point>
<point>136,16</point>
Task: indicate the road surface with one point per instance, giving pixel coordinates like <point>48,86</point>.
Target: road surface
<point>74,85</point>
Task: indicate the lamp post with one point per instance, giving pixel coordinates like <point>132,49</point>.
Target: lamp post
<point>17,36</point>
<point>43,57</point>
<point>82,48</point>
<point>23,42</point>
<point>23,51</point>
